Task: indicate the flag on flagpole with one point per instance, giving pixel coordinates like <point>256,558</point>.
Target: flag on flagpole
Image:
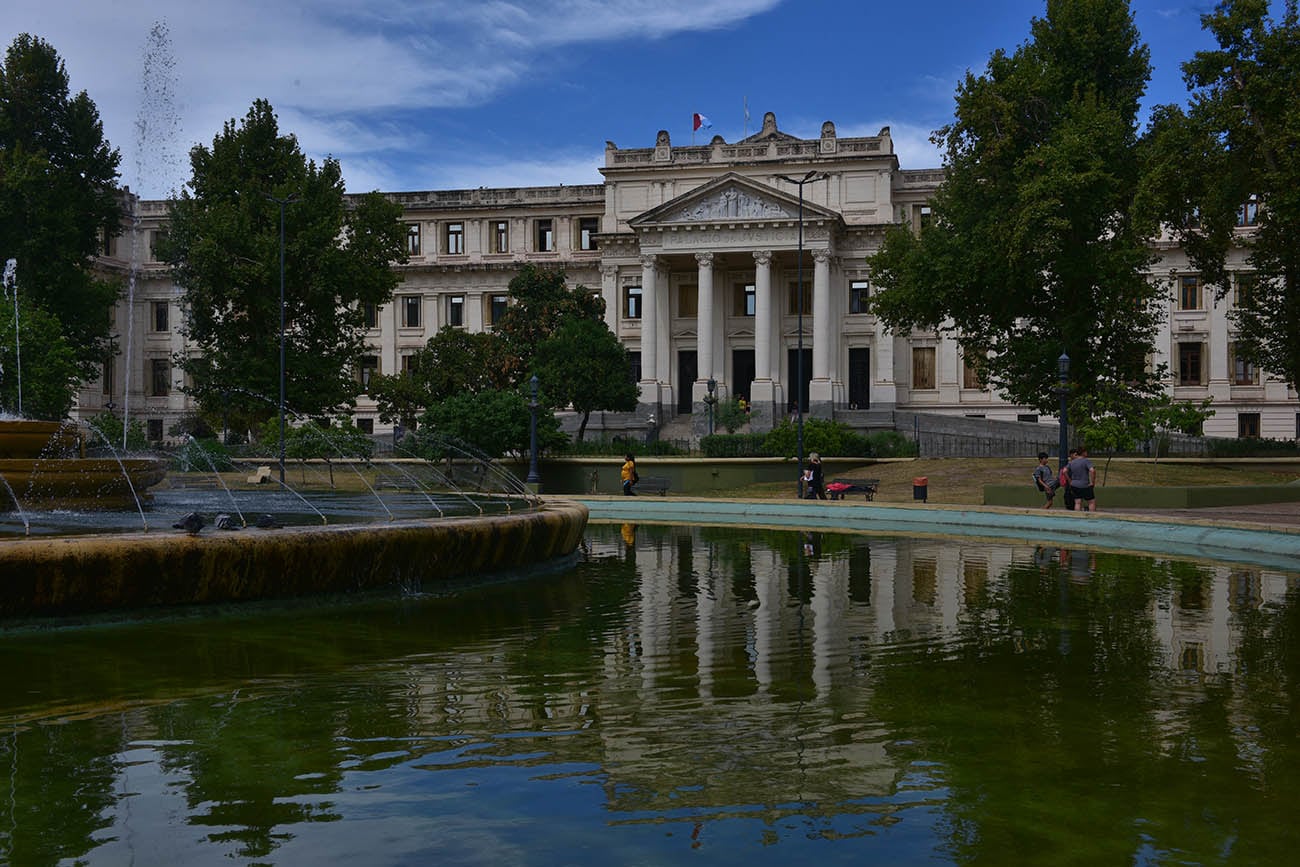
<point>699,121</point>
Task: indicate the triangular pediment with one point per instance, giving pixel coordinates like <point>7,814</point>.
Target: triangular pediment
<point>729,199</point>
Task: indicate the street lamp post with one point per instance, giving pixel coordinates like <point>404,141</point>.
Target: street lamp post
<point>282,203</point>
<point>798,403</point>
<point>712,401</point>
<point>534,477</point>
<point>1063,373</point>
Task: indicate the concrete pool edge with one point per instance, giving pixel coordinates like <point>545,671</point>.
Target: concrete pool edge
<point>1276,547</point>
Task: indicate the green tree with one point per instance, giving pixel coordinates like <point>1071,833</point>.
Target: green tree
<point>49,373</point>
<point>493,422</point>
<point>583,365</point>
<point>1232,160</point>
<point>540,302</point>
<point>453,361</point>
<point>58,199</point>
<point>1119,422</point>
<point>224,249</point>
<point>1036,244</point>
<point>339,440</point>
<point>106,432</point>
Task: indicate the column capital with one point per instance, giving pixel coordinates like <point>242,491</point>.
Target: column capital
<point>609,270</point>
<point>821,255</point>
<point>763,257</point>
<point>649,263</point>
<point>704,259</point>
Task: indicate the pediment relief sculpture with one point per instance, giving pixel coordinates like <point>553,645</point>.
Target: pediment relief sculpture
<point>731,204</point>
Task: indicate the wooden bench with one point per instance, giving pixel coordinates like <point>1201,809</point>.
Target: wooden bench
<point>866,487</point>
<point>652,485</point>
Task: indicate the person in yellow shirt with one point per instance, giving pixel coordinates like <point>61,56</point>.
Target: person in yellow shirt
<point>629,476</point>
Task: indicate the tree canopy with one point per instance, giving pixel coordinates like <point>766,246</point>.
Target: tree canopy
<point>585,366</point>
<point>454,361</point>
<point>223,246</point>
<point>58,200</point>
<point>1227,172</point>
<point>1036,246</point>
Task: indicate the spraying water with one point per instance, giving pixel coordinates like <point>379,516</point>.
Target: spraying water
<point>11,282</point>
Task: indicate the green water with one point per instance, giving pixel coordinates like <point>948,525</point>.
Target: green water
<point>719,695</point>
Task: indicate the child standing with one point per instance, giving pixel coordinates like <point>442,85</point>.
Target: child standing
<point>1045,479</point>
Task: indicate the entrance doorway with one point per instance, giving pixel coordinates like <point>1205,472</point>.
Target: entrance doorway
<point>859,378</point>
<point>742,372</point>
<point>687,370</point>
<point>792,372</point>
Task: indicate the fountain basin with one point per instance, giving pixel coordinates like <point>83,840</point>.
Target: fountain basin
<point>78,483</point>
<point>21,438</point>
<point>72,575</point>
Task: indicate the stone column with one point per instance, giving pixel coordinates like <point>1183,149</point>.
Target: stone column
<point>649,332</point>
<point>819,390</point>
<point>763,392</point>
<point>609,291</point>
<point>704,322</point>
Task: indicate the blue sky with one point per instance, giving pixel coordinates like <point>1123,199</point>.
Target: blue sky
<point>443,94</point>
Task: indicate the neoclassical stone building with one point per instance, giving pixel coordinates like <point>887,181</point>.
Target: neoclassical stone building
<point>696,251</point>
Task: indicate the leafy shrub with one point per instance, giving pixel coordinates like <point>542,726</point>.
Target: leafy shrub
<point>732,445</point>
<point>1252,448</point>
<point>890,444</point>
<point>202,456</point>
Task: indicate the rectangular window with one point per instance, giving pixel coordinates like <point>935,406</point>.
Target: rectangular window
<point>1248,213</point>
<point>455,238</point>
<point>1189,292</point>
<point>160,310</point>
<point>970,373</point>
<point>366,370</point>
<point>497,308</point>
<point>160,377</point>
<point>1190,363</point>
<point>1248,425</point>
<point>634,370</point>
<point>500,236</point>
<point>859,292</point>
<point>108,239</point>
<point>631,302</point>
<point>154,430</point>
<point>370,313</point>
<point>545,236</point>
<point>745,300</point>
<point>1031,417</point>
<point>807,297</point>
<point>366,426</point>
<point>1243,372</point>
<point>688,298</point>
<point>410,311</point>
<point>923,368</point>
<point>1243,293</point>
<point>456,310</point>
<point>108,374</point>
<point>587,229</point>
<point>413,239</point>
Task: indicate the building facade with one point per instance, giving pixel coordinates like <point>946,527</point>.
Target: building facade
<point>731,270</point>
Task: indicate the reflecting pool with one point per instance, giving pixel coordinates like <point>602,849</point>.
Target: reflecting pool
<point>739,696</point>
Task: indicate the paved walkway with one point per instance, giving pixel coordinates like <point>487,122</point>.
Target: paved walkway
<point>1271,515</point>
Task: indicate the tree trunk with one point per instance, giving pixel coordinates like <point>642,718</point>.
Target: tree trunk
<point>582,428</point>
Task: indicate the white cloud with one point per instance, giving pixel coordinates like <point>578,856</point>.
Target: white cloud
<point>327,64</point>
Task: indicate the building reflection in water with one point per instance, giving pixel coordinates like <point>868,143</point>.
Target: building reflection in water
<point>819,685</point>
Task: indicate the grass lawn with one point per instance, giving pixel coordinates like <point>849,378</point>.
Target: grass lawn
<point>961,481</point>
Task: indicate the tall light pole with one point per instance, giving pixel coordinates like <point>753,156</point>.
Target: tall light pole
<point>534,477</point>
<point>282,203</point>
<point>798,403</point>
<point>712,401</point>
<point>1063,373</point>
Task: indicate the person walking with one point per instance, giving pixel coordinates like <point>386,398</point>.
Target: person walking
<point>1083,481</point>
<point>818,476</point>
<point>629,476</point>
<point>1045,479</point>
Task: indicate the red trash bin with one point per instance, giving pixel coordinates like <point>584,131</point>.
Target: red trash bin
<point>920,488</point>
